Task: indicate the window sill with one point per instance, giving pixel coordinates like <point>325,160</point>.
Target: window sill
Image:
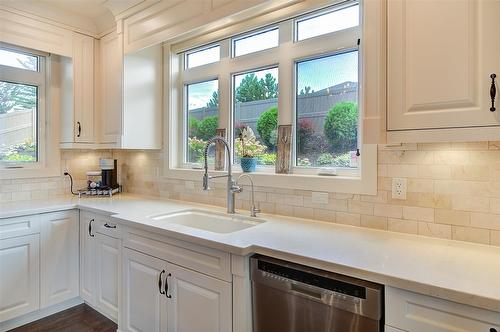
<point>365,184</point>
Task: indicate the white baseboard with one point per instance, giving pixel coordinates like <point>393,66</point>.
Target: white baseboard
<point>36,315</point>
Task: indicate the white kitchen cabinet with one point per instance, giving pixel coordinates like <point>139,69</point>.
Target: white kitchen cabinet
<point>59,257</point>
<point>107,269</point>
<point>440,58</point>
<point>87,258</point>
<point>191,292</point>
<point>144,300</point>
<point>110,93</point>
<point>19,276</point>
<point>413,312</point>
<point>77,115</point>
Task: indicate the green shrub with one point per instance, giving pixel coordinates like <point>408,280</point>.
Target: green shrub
<point>207,127</point>
<point>267,125</point>
<point>193,125</point>
<point>303,162</point>
<point>342,160</point>
<point>268,159</point>
<point>305,132</point>
<point>341,125</point>
<point>196,148</point>
<point>325,159</point>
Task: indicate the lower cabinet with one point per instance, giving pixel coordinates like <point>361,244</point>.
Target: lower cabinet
<point>413,312</point>
<point>100,261</point>
<point>160,296</point>
<point>59,258</point>
<point>19,276</point>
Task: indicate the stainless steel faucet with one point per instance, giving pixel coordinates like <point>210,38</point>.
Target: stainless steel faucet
<point>232,187</point>
<point>253,209</point>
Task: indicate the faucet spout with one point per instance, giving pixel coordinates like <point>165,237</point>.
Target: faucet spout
<point>232,188</point>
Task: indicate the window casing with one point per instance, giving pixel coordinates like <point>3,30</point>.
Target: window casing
<point>285,58</point>
<point>39,156</point>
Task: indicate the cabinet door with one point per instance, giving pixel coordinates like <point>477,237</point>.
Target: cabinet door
<point>87,258</point>
<point>440,58</point>
<point>144,305</point>
<point>108,267</point>
<point>111,90</point>
<point>19,276</point>
<point>59,258</point>
<point>83,88</point>
<point>197,303</point>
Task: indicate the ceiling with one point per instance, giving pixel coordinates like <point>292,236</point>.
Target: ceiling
<point>91,9</point>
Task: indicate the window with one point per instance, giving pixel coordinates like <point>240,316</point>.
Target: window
<point>322,23</point>
<point>203,57</point>
<point>327,111</point>
<point>255,98</point>
<point>256,42</point>
<point>311,86</point>
<point>22,83</point>
<point>202,100</point>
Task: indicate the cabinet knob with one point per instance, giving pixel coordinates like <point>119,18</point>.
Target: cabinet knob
<point>493,93</point>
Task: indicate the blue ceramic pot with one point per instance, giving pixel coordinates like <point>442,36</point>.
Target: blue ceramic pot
<point>248,164</point>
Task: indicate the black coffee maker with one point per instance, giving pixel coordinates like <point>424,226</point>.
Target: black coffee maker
<point>109,173</point>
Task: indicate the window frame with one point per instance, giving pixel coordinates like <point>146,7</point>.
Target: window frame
<point>48,159</point>
<point>365,179</point>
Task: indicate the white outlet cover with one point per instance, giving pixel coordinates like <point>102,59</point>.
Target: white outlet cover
<point>399,187</point>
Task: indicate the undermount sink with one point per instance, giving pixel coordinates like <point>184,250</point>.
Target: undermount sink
<point>209,221</point>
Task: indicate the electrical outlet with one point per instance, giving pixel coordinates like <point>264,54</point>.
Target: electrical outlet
<point>399,188</point>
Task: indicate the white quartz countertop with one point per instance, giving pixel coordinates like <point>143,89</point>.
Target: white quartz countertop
<point>458,271</point>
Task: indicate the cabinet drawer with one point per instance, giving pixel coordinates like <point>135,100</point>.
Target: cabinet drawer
<point>416,313</point>
<point>104,226</point>
<point>209,261</point>
<point>19,226</point>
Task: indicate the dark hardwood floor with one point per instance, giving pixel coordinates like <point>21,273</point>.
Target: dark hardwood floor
<point>81,318</point>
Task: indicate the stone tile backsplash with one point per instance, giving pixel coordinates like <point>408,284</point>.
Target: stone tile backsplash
<point>453,190</point>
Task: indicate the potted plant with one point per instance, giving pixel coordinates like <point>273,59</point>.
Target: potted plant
<point>248,148</point>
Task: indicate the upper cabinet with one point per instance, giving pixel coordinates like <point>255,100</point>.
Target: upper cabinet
<point>440,57</point>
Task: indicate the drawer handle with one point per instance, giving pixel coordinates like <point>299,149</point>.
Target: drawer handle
<point>493,92</point>
<point>166,287</point>
<point>90,227</point>
<point>109,226</point>
<point>160,283</point>
<point>79,129</point>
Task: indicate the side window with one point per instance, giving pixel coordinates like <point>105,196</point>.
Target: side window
<point>22,82</point>
<point>327,111</point>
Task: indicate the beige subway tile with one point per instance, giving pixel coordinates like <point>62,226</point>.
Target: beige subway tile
<point>337,204</point>
<point>39,194</point>
<point>420,185</point>
<point>494,145</point>
<point>403,226</point>
<point>451,157</point>
<point>495,238</point>
<point>412,198</point>
<point>434,230</point>
<point>484,157</point>
<point>386,210</point>
<point>382,170</point>
<point>284,210</point>
<point>21,195</point>
<point>452,217</point>
<point>473,188</point>
<point>442,201</point>
<point>470,234</point>
<point>470,203</point>
<point>374,222</point>
<point>434,171</point>
<point>418,213</point>
<point>384,183</point>
<point>360,207</point>
<point>406,157</point>
<point>302,212</point>
<point>434,146</point>
<point>381,197</point>
<point>485,220</point>
<point>495,205</point>
<point>467,146</point>
<point>348,218</point>
<point>470,172</point>
<point>324,215</point>
<point>402,171</point>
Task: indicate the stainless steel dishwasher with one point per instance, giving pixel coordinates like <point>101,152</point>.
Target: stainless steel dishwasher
<point>288,297</point>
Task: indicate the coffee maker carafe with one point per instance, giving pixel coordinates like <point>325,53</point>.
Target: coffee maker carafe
<point>109,172</point>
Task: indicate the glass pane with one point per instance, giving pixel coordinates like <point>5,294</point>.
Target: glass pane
<point>203,57</point>
<point>327,111</point>
<point>256,106</point>
<point>202,118</point>
<point>18,60</point>
<point>330,22</point>
<point>18,112</point>
<point>257,42</point>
